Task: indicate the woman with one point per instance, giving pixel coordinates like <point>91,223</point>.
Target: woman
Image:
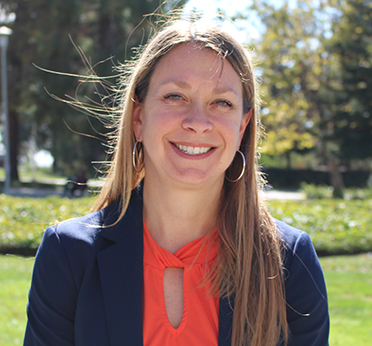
<point>179,249</point>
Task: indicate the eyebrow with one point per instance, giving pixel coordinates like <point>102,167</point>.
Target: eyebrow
<point>185,85</point>
<point>224,90</point>
<point>179,83</point>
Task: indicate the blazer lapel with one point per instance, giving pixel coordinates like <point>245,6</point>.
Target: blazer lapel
<point>225,321</point>
<point>121,273</point>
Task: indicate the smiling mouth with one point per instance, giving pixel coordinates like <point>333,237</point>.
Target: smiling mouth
<point>192,150</point>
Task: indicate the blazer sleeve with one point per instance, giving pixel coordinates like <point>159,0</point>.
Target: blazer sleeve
<point>52,296</point>
<point>307,306</point>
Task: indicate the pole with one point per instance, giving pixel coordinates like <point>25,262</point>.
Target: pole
<point>4,92</point>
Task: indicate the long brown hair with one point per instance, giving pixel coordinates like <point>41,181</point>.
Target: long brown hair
<point>249,267</point>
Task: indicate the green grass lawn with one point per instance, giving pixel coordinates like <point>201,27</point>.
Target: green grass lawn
<point>15,276</point>
<point>349,282</point>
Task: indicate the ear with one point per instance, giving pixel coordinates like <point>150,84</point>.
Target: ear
<point>137,118</point>
<point>244,123</point>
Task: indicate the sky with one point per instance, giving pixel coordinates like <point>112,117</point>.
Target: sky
<point>230,7</point>
<point>243,31</point>
<point>210,6</point>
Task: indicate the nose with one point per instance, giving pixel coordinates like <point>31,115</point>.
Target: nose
<point>197,120</point>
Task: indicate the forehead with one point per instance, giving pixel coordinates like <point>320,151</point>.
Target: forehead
<point>190,62</point>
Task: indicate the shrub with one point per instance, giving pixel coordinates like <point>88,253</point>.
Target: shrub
<point>323,191</point>
<point>335,226</point>
<point>316,191</point>
<point>23,220</point>
<point>358,193</point>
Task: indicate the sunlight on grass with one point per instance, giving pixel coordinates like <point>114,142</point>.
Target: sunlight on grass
<point>15,276</point>
<point>349,282</point>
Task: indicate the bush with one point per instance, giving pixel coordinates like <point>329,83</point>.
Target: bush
<point>23,220</point>
<point>335,226</point>
<point>323,191</point>
<point>358,193</point>
<point>316,191</point>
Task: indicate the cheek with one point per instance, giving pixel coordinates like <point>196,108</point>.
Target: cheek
<point>161,120</point>
<point>156,125</point>
<point>231,131</point>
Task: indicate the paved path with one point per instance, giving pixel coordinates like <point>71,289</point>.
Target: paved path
<point>279,194</point>
<point>59,191</point>
<point>35,193</point>
<point>269,194</point>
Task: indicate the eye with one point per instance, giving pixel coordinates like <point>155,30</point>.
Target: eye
<point>173,97</point>
<point>223,103</point>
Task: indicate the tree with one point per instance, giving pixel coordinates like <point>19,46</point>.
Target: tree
<point>286,53</point>
<point>352,41</point>
<point>304,78</point>
<point>42,35</point>
<point>12,130</point>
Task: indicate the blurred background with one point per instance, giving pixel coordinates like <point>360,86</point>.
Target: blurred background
<point>313,58</point>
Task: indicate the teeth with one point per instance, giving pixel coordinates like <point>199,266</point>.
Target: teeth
<point>192,150</point>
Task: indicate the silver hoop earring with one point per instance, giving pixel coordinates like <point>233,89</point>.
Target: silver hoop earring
<point>138,155</point>
<point>243,169</point>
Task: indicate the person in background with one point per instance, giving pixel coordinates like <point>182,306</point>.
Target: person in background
<point>179,248</point>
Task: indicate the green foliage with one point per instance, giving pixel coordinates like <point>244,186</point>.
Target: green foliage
<point>316,76</point>
<point>352,41</point>
<point>316,72</point>
<point>44,34</point>
<point>290,52</point>
<point>358,193</point>
<point>349,281</point>
<point>23,220</point>
<point>317,191</point>
<point>335,226</point>
<point>323,191</point>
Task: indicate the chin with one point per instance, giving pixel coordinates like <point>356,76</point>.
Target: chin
<point>197,178</point>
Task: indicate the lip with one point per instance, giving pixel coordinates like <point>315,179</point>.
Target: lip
<point>193,157</point>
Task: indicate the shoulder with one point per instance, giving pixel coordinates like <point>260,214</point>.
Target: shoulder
<point>86,229</point>
<point>295,243</point>
<point>83,229</point>
<point>78,231</point>
<point>77,240</point>
<point>305,290</point>
<point>302,269</point>
<point>81,238</point>
<point>300,259</point>
<point>290,235</point>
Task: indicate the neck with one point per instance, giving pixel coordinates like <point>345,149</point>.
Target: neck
<point>177,216</point>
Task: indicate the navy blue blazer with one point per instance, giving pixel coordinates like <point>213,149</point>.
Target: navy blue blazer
<point>86,287</point>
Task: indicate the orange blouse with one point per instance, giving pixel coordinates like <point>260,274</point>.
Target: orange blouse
<point>199,324</point>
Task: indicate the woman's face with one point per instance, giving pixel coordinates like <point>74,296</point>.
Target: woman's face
<point>191,122</point>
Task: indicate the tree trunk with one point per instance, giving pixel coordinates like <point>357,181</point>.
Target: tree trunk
<point>335,176</point>
<point>288,159</point>
<point>14,146</point>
